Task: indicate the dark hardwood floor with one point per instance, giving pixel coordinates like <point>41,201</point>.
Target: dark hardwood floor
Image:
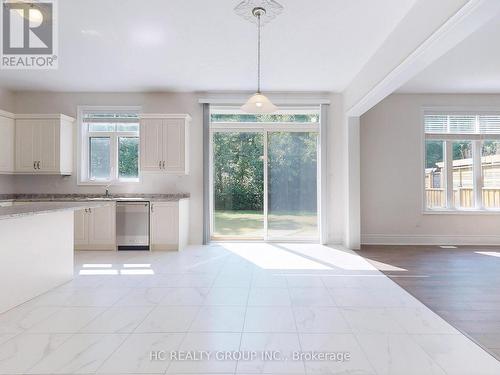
<point>462,285</point>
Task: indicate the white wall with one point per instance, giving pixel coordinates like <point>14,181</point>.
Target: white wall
<point>6,184</point>
<point>6,100</point>
<point>391,177</point>
<point>66,103</point>
<point>336,193</point>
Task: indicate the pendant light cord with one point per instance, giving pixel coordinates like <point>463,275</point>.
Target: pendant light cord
<point>258,55</point>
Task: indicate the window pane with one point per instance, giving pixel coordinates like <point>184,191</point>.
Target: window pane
<point>110,116</point>
<point>101,127</point>
<point>463,181</point>
<point>490,165</point>
<point>462,124</point>
<point>128,158</point>
<point>489,124</point>
<point>238,185</point>
<point>292,185</point>
<point>100,163</point>
<point>127,127</point>
<point>435,188</point>
<point>436,123</point>
<point>283,118</point>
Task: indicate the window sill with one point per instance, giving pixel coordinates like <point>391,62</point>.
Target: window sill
<point>462,212</point>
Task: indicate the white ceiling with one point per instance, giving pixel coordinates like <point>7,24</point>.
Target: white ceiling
<point>200,45</point>
<point>473,66</point>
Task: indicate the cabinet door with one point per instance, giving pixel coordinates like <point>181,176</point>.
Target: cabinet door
<point>81,228</point>
<point>164,225</point>
<point>6,145</point>
<point>48,131</point>
<point>174,145</point>
<point>102,228</point>
<point>25,146</point>
<point>151,144</point>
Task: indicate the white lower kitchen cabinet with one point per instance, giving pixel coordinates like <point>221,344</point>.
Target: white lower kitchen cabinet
<point>95,228</point>
<point>169,225</point>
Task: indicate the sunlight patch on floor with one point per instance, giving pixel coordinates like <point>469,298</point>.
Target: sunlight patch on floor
<point>270,256</point>
<point>489,253</point>
<point>98,272</point>
<point>126,269</point>
<point>386,266</point>
<point>96,265</point>
<point>299,256</point>
<point>331,256</point>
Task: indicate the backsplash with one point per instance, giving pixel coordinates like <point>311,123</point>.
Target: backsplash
<point>150,183</point>
<point>79,197</point>
<point>7,184</point>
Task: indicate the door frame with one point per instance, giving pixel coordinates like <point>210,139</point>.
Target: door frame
<point>265,129</point>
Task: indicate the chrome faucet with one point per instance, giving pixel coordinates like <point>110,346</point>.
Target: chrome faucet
<point>107,190</point>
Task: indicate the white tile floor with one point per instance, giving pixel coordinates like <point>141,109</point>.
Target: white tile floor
<point>232,297</point>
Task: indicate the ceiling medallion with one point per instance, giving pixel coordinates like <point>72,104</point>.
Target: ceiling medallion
<point>259,12</point>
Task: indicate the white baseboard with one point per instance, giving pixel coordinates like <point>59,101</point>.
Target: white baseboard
<point>429,239</point>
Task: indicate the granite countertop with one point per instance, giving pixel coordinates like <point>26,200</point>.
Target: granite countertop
<point>92,197</point>
<point>34,208</point>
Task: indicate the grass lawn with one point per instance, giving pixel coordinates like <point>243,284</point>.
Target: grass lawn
<point>250,224</point>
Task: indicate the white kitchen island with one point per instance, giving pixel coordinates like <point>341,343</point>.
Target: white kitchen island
<point>36,248</point>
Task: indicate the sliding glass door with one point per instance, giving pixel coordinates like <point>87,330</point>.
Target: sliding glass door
<point>264,177</point>
<point>238,185</point>
<point>292,185</point>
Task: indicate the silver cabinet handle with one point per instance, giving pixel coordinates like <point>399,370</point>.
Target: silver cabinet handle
<point>86,210</point>
<point>159,164</point>
<point>34,165</point>
<point>38,164</point>
<point>152,207</point>
<point>163,164</point>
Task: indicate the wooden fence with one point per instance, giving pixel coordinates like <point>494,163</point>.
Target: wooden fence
<point>462,197</point>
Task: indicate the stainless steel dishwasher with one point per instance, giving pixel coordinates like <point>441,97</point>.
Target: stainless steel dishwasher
<point>132,225</point>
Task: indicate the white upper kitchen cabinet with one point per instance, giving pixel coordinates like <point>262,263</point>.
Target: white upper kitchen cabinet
<point>44,144</point>
<point>165,143</point>
<point>151,144</point>
<point>7,131</point>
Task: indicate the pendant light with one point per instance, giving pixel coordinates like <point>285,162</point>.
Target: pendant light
<point>259,103</point>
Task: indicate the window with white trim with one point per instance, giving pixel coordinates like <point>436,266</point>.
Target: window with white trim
<point>109,145</point>
<point>462,161</point>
